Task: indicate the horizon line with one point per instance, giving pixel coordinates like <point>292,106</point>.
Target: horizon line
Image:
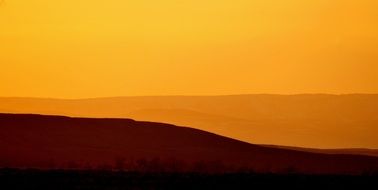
<point>178,95</point>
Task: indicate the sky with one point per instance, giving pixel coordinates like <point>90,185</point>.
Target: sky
<point>95,48</point>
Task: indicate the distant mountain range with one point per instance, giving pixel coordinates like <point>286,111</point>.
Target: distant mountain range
<point>38,141</point>
<point>309,120</point>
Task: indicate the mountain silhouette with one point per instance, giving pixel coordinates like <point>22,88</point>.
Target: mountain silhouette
<point>308,120</point>
<point>40,141</point>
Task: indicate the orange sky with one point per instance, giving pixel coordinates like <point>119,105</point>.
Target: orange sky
<point>92,48</point>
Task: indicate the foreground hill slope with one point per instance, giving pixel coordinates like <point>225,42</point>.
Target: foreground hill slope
<point>65,142</point>
<point>309,120</point>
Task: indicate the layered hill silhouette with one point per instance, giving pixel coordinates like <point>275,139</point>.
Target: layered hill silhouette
<point>356,151</point>
<point>39,141</point>
<point>318,120</point>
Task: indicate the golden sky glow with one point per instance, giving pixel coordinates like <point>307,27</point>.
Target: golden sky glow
<point>92,48</point>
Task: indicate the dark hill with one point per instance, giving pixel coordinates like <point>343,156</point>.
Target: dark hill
<point>63,142</point>
<point>310,120</point>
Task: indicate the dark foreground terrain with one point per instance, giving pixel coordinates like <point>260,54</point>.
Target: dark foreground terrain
<point>57,142</point>
<point>98,153</point>
<point>90,179</point>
